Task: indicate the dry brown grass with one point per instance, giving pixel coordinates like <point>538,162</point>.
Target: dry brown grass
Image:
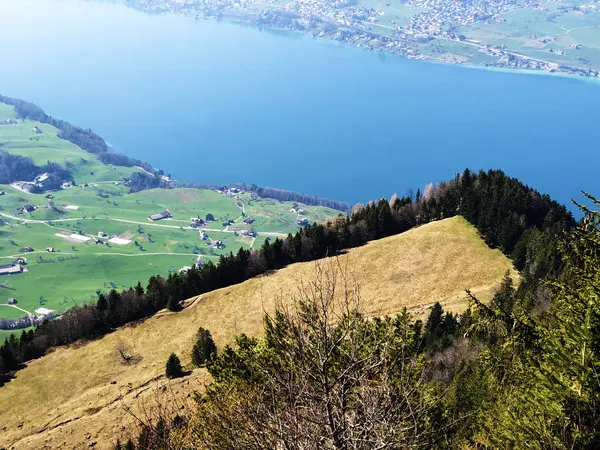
<point>78,395</point>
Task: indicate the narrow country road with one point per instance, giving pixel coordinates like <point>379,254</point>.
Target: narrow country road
<point>49,222</point>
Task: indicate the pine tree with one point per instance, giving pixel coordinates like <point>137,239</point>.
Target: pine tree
<point>172,305</point>
<point>173,368</point>
<point>139,290</point>
<point>113,299</point>
<point>204,349</point>
<point>102,303</point>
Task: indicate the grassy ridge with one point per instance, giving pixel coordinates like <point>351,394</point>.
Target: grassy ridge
<point>432,263</point>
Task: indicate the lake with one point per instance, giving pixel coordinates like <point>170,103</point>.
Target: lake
<point>216,103</point>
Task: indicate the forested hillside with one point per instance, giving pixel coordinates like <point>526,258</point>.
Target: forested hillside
<point>522,223</point>
<point>106,381</point>
<point>392,383</point>
<point>518,372</point>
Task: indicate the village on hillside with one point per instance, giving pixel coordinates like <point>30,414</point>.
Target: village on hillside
<point>491,33</point>
<point>47,230</point>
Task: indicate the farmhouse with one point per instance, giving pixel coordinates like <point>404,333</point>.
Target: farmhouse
<point>249,220</point>
<point>26,250</point>
<point>12,301</point>
<point>218,245</point>
<point>249,233</point>
<point>196,222</point>
<point>303,222</point>
<point>102,234</point>
<point>163,215</point>
<point>10,269</point>
<point>42,177</point>
<point>2,193</point>
<point>27,209</point>
<point>50,249</point>
<point>22,260</point>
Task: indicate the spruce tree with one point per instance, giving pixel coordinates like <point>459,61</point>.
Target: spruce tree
<point>173,368</point>
<point>102,303</point>
<point>172,305</point>
<point>204,349</point>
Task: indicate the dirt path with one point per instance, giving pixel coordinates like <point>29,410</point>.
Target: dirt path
<point>16,307</point>
<point>111,254</point>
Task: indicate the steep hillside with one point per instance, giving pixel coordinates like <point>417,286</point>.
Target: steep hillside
<point>77,396</point>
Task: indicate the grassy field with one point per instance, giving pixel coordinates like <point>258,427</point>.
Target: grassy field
<point>523,30</point>
<point>435,262</point>
<point>101,202</point>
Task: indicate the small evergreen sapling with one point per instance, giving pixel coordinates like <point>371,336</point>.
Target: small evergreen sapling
<point>173,368</point>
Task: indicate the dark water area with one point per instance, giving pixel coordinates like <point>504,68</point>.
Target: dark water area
<point>214,102</point>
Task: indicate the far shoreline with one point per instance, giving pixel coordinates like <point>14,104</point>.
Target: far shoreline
<point>235,20</point>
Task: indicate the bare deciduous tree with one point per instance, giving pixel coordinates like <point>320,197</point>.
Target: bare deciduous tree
<point>325,378</point>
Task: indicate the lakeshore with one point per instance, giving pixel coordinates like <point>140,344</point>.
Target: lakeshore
<point>216,103</point>
<point>496,33</point>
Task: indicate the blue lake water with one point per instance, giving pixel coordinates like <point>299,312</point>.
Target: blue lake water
<point>216,103</point>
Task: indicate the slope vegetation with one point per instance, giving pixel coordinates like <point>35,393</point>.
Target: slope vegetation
<point>79,395</point>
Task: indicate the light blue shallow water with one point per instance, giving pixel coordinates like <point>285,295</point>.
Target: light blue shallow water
<point>214,102</point>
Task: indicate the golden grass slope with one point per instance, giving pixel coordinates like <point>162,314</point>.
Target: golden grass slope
<point>77,396</point>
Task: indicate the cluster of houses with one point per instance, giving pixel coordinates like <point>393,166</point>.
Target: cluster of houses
<point>229,192</point>
<point>296,209</point>
<point>38,184</point>
<point>8,122</point>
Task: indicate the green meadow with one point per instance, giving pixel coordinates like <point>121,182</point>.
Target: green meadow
<point>81,263</point>
<point>524,30</point>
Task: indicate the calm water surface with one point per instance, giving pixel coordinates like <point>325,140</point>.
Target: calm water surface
<point>214,102</point>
